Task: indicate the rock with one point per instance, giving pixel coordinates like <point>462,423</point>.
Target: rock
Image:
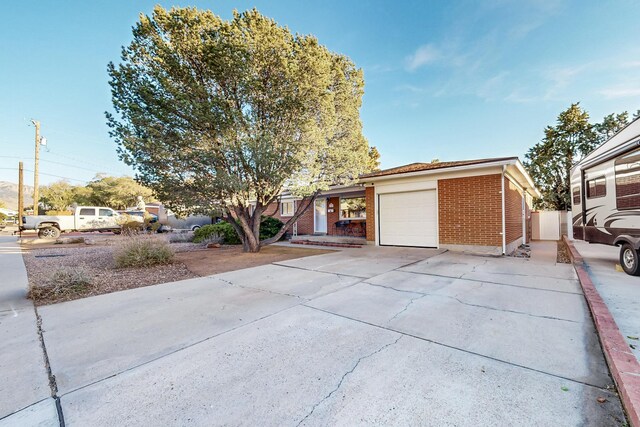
<point>69,240</point>
<point>89,242</point>
<point>213,245</point>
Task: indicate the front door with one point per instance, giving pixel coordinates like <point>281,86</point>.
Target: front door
<point>320,216</point>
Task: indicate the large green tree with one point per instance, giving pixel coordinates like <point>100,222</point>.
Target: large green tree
<point>228,114</point>
<point>611,125</point>
<point>549,162</point>
<point>58,195</point>
<point>103,190</point>
<point>116,192</point>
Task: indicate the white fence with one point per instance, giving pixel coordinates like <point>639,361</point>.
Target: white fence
<point>550,225</point>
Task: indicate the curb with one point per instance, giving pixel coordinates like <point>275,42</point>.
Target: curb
<point>623,364</point>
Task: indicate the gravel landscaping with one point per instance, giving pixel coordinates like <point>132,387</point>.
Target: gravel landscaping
<point>563,253</point>
<point>98,264</point>
<point>87,270</point>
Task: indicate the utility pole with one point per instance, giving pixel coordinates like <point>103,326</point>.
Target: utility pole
<point>20,195</point>
<point>36,197</point>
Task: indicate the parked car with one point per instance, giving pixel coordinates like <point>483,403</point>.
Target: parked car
<point>84,218</point>
<point>191,222</point>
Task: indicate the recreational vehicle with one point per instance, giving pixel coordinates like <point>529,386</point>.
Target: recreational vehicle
<point>605,196</point>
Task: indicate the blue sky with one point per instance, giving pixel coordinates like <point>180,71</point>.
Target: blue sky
<point>444,79</point>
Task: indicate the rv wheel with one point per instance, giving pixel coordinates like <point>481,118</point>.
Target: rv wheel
<point>629,260</point>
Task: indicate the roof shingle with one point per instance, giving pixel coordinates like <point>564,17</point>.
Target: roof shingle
<point>419,167</point>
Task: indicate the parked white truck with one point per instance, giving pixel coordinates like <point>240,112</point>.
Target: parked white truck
<point>84,218</point>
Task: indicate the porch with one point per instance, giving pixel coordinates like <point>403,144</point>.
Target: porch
<point>341,212</point>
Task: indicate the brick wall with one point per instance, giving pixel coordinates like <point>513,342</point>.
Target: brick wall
<point>513,211</point>
<point>305,222</point>
<point>369,194</point>
<point>470,210</point>
<point>333,217</point>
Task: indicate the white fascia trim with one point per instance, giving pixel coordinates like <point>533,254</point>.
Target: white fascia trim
<point>343,190</point>
<point>532,185</point>
<point>440,171</point>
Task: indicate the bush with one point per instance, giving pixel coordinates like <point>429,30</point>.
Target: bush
<point>222,229</point>
<point>213,239</point>
<point>269,227</point>
<point>64,282</point>
<point>181,237</point>
<point>141,251</point>
<point>131,227</point>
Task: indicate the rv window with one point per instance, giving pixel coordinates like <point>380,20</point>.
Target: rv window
<point>628,181</point>
<point>576,195</point>
<point>596,188</point>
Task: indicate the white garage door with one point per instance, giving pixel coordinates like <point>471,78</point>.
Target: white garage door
<point>409,219</point>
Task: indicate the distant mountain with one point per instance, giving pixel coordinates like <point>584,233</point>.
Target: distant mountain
<point>9,194</point>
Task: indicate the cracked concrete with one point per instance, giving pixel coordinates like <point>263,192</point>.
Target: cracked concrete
<point>350,371</point>
<point>313,343</point>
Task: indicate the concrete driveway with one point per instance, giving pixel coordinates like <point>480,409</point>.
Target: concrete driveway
<point>379,336</point>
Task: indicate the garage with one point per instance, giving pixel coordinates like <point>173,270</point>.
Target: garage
<point>409,218</point>
<point>476,206</point>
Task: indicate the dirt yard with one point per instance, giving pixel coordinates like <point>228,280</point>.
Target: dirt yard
<point>96,264</point>
<point>228,258</point>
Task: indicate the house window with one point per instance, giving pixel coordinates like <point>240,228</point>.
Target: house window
<point>628,181</point>
<point>596,188</point>
<point>286,208</point>
<point>353,208</point>
<point>576,195</point>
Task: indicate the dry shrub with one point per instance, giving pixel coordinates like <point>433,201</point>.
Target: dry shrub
<point>181,237</point>
<point>142,251</point>
<point>215,239</point>
<point>63,283</point>
<point>131,228</point>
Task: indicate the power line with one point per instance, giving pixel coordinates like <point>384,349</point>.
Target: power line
<point>72,166</point>
<point>74,159</point>
<point>48,174</point>
<point>58,176</point>
<point>65,164</point>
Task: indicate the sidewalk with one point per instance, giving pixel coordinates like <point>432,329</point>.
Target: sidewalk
<point>25,396</point>
<point>612,299</point>
<point>619,291</point>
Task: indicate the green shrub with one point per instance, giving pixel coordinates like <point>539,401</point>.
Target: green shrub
<point>222,229</point>
<point>2,217</point>
<point>269,227</point>
<point>141,251</point>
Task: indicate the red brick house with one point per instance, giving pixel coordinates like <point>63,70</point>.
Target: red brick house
<point>340,211</point>
<point>480,206</point>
